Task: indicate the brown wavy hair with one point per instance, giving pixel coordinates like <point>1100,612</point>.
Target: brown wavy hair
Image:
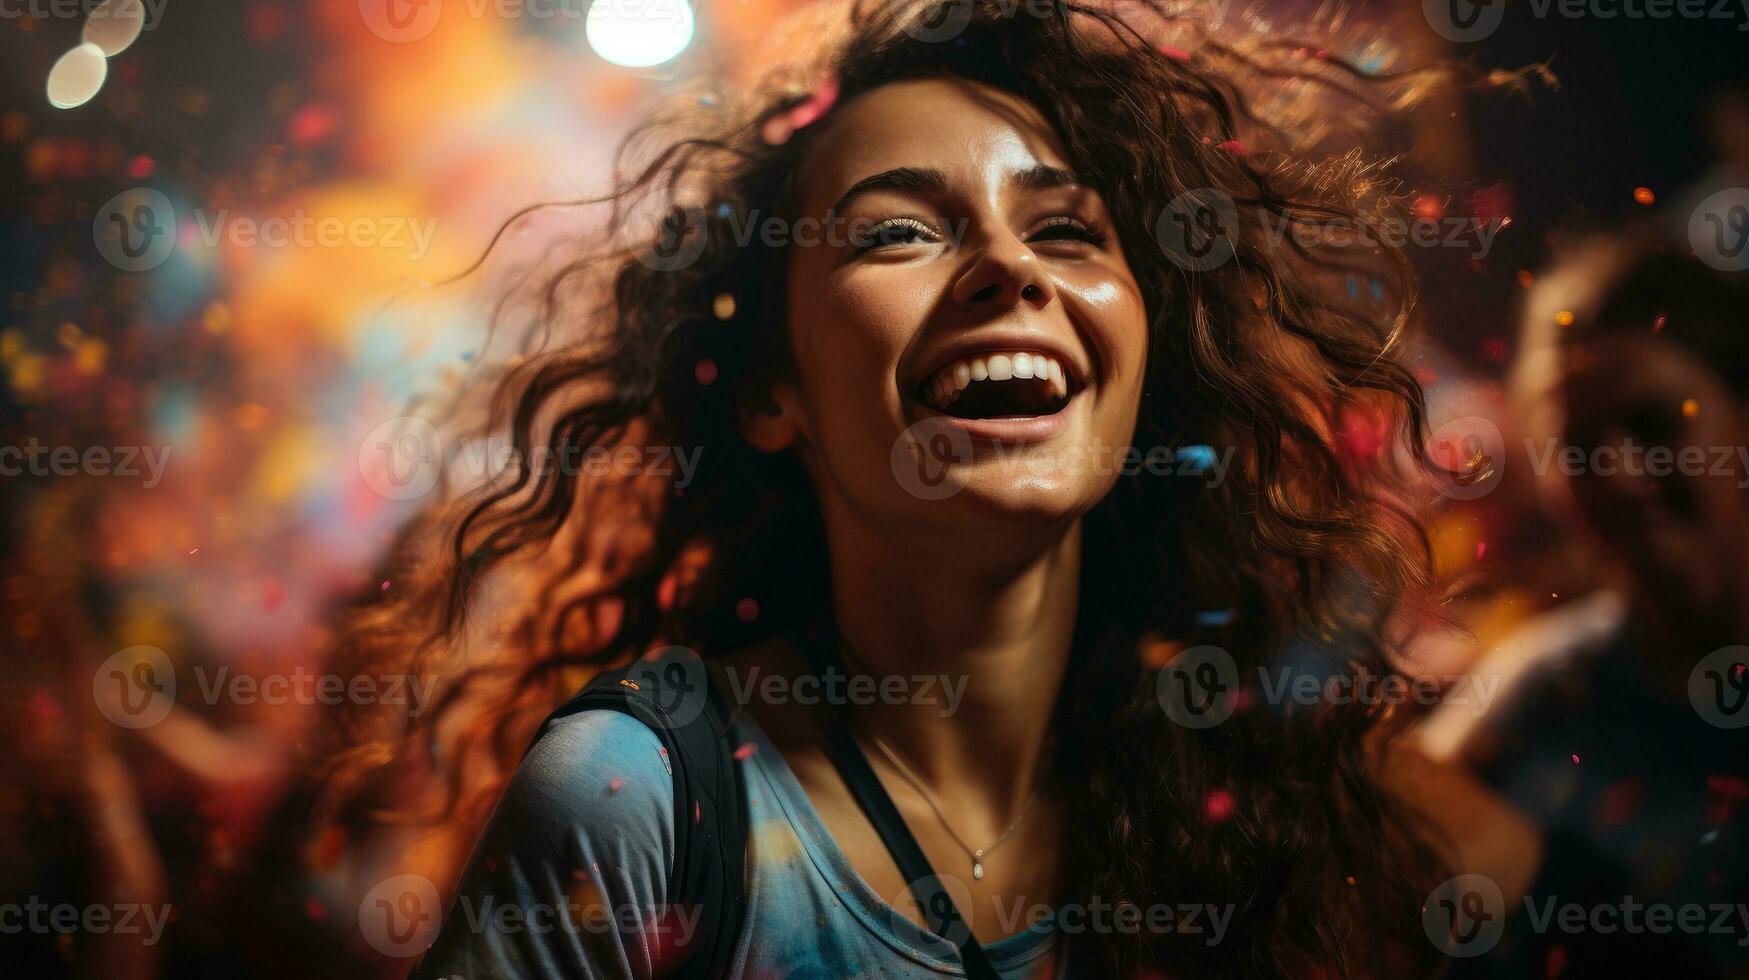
<point>512,592</point>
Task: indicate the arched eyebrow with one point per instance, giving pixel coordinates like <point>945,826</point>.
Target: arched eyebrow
<point>1038,177</point>
<point>897,179</point>
<point>1043,177</point>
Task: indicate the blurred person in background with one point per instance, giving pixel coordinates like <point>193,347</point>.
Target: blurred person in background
<point>1625,738</point>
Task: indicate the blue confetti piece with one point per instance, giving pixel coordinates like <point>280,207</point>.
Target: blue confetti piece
<point>1709,837</point>
<point>1196,459</point>
<point>1353,288</point>
<point>1378,292</point>
<point>1214,617</point>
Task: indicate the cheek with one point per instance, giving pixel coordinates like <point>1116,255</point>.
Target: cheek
<point>1111,310</point>
<point>848,333</point>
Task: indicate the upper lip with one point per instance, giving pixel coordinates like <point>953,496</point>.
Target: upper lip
<point>1075,367</point>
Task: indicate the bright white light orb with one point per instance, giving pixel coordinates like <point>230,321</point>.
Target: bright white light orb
<point>639,33</point>
<point>115,24</point>
<point>77,77</point>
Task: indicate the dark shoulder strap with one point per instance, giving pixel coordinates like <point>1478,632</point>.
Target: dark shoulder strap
<point>938,907</point>
<point>670,692</point>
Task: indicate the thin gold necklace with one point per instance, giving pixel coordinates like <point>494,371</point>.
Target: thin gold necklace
<point>976,854</point>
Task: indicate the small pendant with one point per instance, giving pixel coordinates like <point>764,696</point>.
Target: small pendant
<point>978,865</point>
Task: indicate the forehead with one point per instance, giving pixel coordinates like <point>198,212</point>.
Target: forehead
<point>970,131</point>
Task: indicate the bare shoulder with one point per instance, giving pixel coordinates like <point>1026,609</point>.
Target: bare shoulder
<point>1478,831</point>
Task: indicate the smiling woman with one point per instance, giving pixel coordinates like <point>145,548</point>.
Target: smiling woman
<point>1055,245</point>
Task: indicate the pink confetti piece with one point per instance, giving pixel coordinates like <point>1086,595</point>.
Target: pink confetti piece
<point>1234,147</point>
<point>615,785</point>
<point>1481,550</point>
<point>1219,806</point>
<point>1176,54</point>
<point>825,94</point>
<point>744,751</point>
<point>1575,759</point>
<point>779,128</point>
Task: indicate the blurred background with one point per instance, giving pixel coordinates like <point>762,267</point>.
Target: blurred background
<point>230,228</point>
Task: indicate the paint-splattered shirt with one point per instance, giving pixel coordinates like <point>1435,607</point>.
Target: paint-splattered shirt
<point>576,858</point>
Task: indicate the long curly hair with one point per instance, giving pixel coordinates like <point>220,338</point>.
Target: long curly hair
<point>511,592</point>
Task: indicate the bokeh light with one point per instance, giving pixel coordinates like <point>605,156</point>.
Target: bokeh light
<point>77,77</point>
<point>639,33</point>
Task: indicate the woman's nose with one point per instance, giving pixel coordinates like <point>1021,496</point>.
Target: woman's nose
<point>1004,274</point>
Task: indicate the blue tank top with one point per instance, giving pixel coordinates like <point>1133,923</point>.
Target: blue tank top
<point>570,874</point>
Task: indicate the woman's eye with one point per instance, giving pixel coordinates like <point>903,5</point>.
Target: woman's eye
<point>1064,228</point>
<point>897,231</point>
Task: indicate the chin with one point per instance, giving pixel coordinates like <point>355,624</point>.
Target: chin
<point>1020,502</point>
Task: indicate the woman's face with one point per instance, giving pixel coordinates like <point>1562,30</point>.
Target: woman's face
<point>968,336</point>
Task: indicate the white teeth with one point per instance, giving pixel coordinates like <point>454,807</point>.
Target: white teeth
<point>950,382</point>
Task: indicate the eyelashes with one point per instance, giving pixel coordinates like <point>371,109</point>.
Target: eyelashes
<point>1064,227</point>
<point>892,231</point>
<point>904,231</point>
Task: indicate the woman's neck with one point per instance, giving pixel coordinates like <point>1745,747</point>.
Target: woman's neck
<point>992,628</point>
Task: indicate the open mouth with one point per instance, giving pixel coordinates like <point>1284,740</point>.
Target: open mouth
<point>1006,385</point>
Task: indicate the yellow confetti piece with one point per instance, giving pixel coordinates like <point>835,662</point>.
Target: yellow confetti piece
<point>1644,195</point>
<point>723,306</point>
<point>1690,408</point>
<point>217,318</point>
<point>90,356</point>
<point>1564,318</point>
<point>27,373</point>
